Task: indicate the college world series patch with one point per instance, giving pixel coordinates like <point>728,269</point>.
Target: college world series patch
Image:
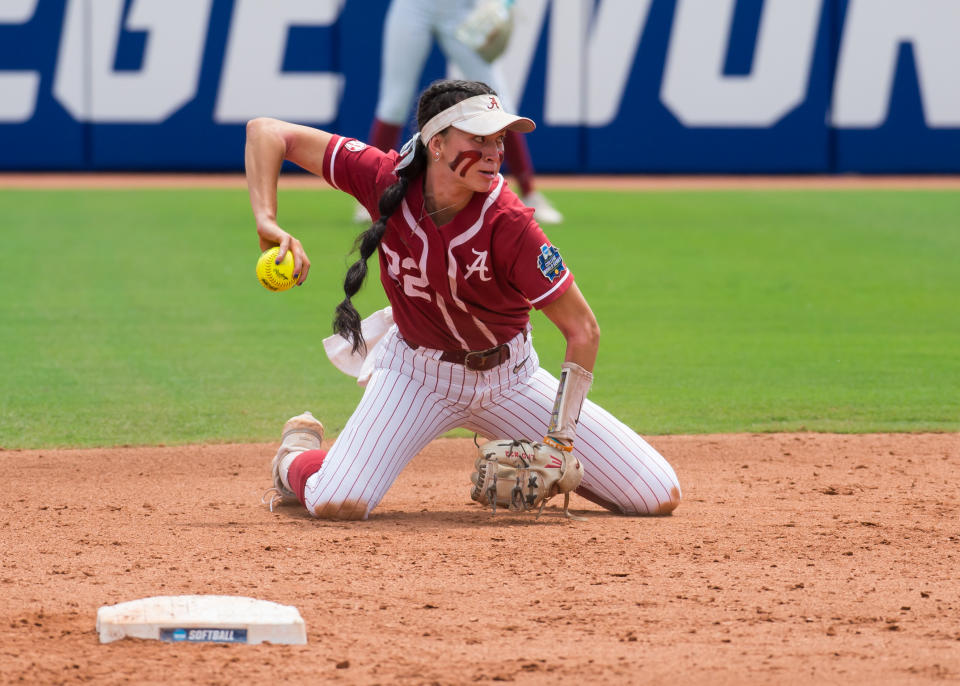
<point>550,262</point>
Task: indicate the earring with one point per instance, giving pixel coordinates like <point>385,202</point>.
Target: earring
<point>436,156</point>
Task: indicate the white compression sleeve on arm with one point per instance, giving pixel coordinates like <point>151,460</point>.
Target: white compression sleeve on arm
<point>571,392</point>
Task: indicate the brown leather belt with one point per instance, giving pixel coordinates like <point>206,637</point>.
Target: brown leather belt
<point>478,360</point>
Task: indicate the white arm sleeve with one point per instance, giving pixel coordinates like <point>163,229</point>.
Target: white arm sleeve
<point>575,381</point>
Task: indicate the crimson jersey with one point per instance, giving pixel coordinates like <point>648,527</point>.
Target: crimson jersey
<point>468,285</point>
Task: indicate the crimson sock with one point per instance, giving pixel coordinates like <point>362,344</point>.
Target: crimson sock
<point>384,136</point>
<point>517,155</point>
<point>304,465</point>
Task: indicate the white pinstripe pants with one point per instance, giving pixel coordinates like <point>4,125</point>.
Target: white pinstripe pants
<point>413,397</point>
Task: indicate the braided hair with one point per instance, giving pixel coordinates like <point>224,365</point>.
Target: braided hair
<point>437,97</point>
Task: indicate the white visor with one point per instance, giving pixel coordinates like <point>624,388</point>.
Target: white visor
<point>480,115</point>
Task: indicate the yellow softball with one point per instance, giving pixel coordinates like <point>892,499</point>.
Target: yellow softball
<point>273,276</point>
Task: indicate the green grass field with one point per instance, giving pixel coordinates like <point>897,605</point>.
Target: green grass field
<point>134,317</point>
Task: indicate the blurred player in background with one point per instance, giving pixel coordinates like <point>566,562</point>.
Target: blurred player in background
<point>471,34</point>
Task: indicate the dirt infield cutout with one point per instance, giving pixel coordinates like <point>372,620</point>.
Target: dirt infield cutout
<point>794,558</point>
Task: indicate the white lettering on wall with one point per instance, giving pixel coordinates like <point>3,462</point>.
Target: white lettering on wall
<point>563,101</point>
<point>694,87</point>
<point>88,86</point>
<point>253,83</point>
<point>591,53</point>
<point>589,59</point>
<point>18,89</point>
<point>872,35</point>
<point>611,52</point>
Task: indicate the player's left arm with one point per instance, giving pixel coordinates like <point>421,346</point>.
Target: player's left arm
<point>572,315</point>
<point>538,271</point>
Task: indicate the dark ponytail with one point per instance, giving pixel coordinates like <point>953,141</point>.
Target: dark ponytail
<point>438,97</point>
<point>347,320</point>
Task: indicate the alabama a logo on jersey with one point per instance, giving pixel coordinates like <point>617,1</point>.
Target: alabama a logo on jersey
<point>479,266</point>
<point>550,262</point>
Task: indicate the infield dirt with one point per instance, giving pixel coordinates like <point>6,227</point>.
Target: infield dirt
<point>794,558</point>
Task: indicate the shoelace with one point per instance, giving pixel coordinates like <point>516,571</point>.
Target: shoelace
<point>277,497</point>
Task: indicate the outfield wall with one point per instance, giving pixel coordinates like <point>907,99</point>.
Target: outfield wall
<point>616,86</point>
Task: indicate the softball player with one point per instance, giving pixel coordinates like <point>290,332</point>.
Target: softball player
<point>462,261</point>
<point>408,33</point>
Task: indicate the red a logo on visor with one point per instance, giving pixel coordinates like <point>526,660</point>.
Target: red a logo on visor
<point>494,105</point>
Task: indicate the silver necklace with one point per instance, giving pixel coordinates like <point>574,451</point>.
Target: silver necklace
<point>424,213</point>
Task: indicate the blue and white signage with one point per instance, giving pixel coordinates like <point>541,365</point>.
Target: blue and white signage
<point>615,85</point>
